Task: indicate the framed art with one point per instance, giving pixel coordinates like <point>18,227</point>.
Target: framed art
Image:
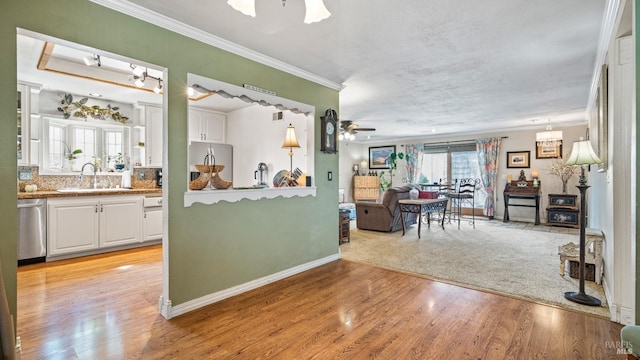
<point>518,159</point>
<point>603,122</point>
<point>380,156</point>
<point>549,151</point>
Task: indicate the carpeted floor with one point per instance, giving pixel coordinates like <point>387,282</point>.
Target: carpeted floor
<point>515,259</point>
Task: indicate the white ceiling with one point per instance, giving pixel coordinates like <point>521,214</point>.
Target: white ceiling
<point>413,67</point>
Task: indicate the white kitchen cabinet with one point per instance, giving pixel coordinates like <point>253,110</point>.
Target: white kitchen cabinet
<point>153,131</point>
<point>207,125</point>
<point>91,223</point>
<point>23,122</point>
<point>152,220</point>
<point>72,226</point>
<point>120,221</point>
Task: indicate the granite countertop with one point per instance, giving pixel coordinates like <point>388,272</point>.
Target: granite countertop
<point>58,194</point>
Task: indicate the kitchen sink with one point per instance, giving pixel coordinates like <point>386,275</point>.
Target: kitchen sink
<point>79,190</point>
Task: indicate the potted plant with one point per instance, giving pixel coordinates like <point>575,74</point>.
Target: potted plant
<point>560,169</point>
<point>385,183</point>
<point>70,156</point>
<point>120,161</point>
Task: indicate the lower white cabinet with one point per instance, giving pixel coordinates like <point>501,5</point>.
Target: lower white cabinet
<point>152,221</point>
<point>84,224</point>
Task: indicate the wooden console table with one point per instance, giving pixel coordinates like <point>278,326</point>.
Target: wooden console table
<point>524,192</point>
<point>422,207</point>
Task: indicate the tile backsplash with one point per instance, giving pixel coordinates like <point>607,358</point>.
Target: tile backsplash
<point>105,180</point>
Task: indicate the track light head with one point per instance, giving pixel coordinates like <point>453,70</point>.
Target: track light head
<point>158,88</point>
<point>92,60</point>
<point>137,70</point>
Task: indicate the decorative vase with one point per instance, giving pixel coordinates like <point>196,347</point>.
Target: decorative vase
<point>119,167</point>
<point>564,187</point>
<point>413,194</point>
<point>68,164</point>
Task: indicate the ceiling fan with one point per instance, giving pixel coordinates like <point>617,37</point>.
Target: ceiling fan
<point>348,129</point>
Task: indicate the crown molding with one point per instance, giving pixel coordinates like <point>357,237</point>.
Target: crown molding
<point>612,8</point>
<point>168,23</point>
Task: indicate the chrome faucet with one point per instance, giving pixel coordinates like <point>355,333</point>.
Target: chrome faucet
<point>95,171</point>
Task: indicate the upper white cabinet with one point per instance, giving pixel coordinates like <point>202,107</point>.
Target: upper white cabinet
<point>147,135</point>
<point>207,125</point>
<point>153,143</point>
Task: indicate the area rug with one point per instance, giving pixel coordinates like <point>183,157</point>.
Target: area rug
<point>511,259</point>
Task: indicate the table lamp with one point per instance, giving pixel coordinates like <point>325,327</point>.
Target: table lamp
<point>582,154</point>
<point>290,142</point>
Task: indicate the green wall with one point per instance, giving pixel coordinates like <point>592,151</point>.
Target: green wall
<point>635,28</point>
<point>211,248</point>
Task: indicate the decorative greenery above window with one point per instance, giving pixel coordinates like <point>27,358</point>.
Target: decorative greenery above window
<point>81,110</point>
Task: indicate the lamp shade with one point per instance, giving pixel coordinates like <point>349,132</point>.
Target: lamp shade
<point>315,11</point>
<point>247,7</point>
<point>582,154</point>
<point>290,140</point>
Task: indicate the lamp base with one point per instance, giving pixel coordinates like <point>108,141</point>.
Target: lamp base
<point>581,298</point>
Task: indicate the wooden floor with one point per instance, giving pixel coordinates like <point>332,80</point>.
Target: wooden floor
<point>105,307</point>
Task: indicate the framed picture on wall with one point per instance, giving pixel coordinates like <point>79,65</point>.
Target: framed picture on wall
<point>518,159</point>
<point>549,151</point>
<point>380,156</point>
<point>603,121</point>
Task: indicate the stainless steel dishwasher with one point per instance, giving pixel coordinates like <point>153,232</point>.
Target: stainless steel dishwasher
<point>32,231</point>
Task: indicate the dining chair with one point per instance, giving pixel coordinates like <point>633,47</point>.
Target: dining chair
<point>465,194</point>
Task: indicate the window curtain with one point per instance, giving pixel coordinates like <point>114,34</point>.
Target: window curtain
<point>414,163</point>
<point>488,150</point>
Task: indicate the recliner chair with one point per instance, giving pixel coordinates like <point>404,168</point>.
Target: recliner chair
<point>385,216</point>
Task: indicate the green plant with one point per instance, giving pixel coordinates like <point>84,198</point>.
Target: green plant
<point>71,154</point>
<point>386,183</point>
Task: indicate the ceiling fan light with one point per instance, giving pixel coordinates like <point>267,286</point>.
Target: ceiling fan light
<point>315,11</point>
<point>341,137</point>
<point>247,7</point>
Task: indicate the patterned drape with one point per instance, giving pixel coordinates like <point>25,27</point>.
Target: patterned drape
<point>414,164</point>
<point>488,150</point>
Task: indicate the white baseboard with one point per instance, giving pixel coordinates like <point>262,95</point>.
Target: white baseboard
<point>613,312</point>
<point>624,315</point>
<point>168,311</point>
<point>627,316</point>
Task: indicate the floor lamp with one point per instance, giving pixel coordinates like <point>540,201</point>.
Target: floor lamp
<point>582,154</point>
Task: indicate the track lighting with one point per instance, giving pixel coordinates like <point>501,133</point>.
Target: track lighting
<point>141,73</point>
<point>92,60</point>
<point>158,88</point>
<point>139,81</point>
<point>137,70</point>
